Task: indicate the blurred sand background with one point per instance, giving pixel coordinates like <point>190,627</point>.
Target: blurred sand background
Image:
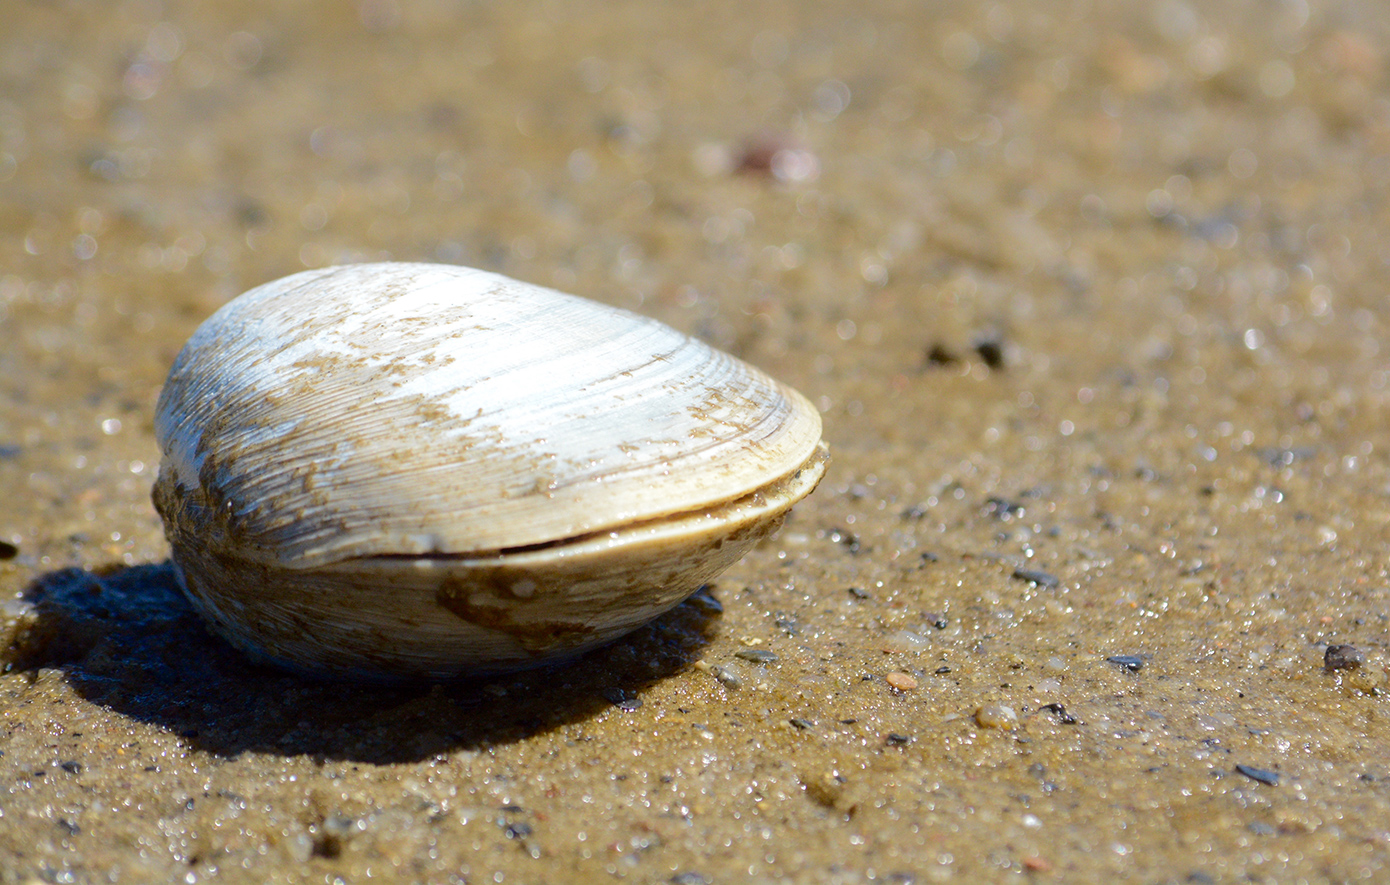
<point>1091,296</point>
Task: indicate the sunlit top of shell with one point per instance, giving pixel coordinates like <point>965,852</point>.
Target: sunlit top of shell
<point>416,409</point>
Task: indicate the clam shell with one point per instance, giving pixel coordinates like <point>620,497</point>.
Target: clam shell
<point>414,469</point>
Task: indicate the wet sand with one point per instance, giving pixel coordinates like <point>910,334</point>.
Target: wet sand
<point>1091,297</point>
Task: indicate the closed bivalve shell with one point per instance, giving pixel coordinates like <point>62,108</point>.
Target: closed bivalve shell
<point>415,470</point>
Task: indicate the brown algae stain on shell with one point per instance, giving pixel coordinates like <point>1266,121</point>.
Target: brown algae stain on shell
<point>426,470</point>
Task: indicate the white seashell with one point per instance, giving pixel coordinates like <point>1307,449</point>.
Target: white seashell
<point>399,470</point>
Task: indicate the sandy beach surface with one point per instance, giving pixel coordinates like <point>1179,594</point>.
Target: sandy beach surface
<point>1091,297</point>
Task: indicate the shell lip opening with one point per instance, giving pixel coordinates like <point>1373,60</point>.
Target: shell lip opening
<point>768,501</point>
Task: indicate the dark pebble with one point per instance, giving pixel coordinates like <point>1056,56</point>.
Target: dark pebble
<point>703,598</point>
<point>1042,579</point>
<point>1061,713</point>
<point>71,828</point>
<point>788,626</point>
<point>9,451</point>
<point>1343,657</point>
<point>845,539</point>
<point>898,739</point>
<point>991,350</point>
<point>859,593</point>
<point>929,558</point>
<point>936,620</point>
<point>941,355</point>
<point>803,724</point>
<point>8,550</point>
<point>619,698</point>
<point>518,830</point>
<point>756,655</point>
<point>1002,509</point>
<point>942,670</point>
<point>327,845</point>
<point>1132,663</point>
<point>71,766</point>
<point>1263,775</point>
<point>916,511</point>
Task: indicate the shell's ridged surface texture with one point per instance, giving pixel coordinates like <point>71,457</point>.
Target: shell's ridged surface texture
<point>414,469</point>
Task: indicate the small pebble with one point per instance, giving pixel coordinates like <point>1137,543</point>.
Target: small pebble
<point>1132,663</point>
<point>996,716</point>
<point>901,681</point>
<point>728,676</point>
<point>845,539</point>
<point>991,350</point>
<point>859,593</point>
<point>1041,579</point>
<point>705,600</point>
<point>756,655</point>
<point>1343,657</point>
<point>1285,457</point>
<point>8,550</point>
<point>905,641</point>
<point>941,355</point>
<point>1002,508</point>
<point>1061,713</point>
<point>1263,775</point>
<point>898,739</point>
<point>777,155</point>
<point>803,724</point>
<point>340,825</point>
<point>826,789</point>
